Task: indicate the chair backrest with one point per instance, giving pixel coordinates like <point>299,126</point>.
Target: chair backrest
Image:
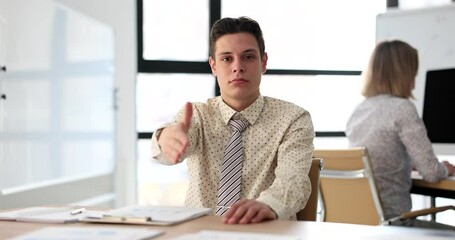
<point>310,211</point>
<point>347,187</point>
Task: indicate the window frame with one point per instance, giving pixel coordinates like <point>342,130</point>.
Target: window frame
<point>159,66</point>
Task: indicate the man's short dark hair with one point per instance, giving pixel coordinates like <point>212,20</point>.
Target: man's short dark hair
<point>236,25</point>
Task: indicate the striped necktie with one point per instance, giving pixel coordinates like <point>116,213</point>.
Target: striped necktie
<point>231,169</point>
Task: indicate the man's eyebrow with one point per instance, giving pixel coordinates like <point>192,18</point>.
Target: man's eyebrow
<point>250,50</point>
<point>224,53</point>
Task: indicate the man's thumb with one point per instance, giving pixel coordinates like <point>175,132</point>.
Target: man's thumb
<point>187,114</point>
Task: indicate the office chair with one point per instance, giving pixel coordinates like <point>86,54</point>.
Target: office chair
<point>349,193</point>
<point>309,212</point>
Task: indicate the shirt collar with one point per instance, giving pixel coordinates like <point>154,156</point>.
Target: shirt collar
<point>251,113</point>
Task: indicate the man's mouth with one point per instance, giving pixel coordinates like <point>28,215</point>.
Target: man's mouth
<point>237,80</point>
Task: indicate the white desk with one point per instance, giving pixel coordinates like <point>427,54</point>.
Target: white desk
<point>305,230</point>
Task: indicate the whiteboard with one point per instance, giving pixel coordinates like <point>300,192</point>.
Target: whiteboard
<point>430,30</point>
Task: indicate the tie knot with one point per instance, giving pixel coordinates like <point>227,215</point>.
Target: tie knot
<point>238,125</point>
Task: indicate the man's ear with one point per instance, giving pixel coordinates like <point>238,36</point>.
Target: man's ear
<point>264,62</point>
<point>212,64</point>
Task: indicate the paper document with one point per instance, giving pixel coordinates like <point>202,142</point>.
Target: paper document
<point>90,233</point>
<point>65,214</point>
<point>149,215</point>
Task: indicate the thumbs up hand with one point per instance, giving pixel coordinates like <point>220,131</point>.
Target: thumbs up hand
<point>173,139</point>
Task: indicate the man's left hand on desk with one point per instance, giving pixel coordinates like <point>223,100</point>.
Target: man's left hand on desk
<point>248,211</point>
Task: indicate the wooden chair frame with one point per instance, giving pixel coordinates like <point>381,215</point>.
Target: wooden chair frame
<point>310,211</point>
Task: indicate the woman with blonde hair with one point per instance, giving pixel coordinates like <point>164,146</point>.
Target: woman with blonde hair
<point>386,122</point>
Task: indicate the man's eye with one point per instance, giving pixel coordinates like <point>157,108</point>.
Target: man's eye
<point>226,59</point>
<point>250,57</point>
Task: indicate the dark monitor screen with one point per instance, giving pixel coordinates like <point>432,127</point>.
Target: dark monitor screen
<point>439,105</point>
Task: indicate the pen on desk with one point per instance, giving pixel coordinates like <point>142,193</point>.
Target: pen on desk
<point>77,211</point>
<point>130,219</point>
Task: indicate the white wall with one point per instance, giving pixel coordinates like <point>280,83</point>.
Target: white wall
<point>431,31</point>
<point>121,15</point>
<point>434,39</point>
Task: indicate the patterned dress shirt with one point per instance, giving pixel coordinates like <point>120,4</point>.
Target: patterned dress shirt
<point>278,148</point>
<point>396,140</point>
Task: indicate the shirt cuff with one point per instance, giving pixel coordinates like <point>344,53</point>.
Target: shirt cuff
<point>157,155</point>
<point>446,172</point>
<point>276,206</point>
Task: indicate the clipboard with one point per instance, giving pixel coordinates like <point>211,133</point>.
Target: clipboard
<point>148,215</point>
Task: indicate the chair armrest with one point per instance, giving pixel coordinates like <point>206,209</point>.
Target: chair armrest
<point>423,212</point>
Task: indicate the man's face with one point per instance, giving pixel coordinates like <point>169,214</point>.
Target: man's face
<point>238,67</point>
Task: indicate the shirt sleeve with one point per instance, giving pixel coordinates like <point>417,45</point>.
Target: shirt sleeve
<point>291,188</point>
<point>418,146</point>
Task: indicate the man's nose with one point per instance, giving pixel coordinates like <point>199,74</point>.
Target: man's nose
<point>238,66</point>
